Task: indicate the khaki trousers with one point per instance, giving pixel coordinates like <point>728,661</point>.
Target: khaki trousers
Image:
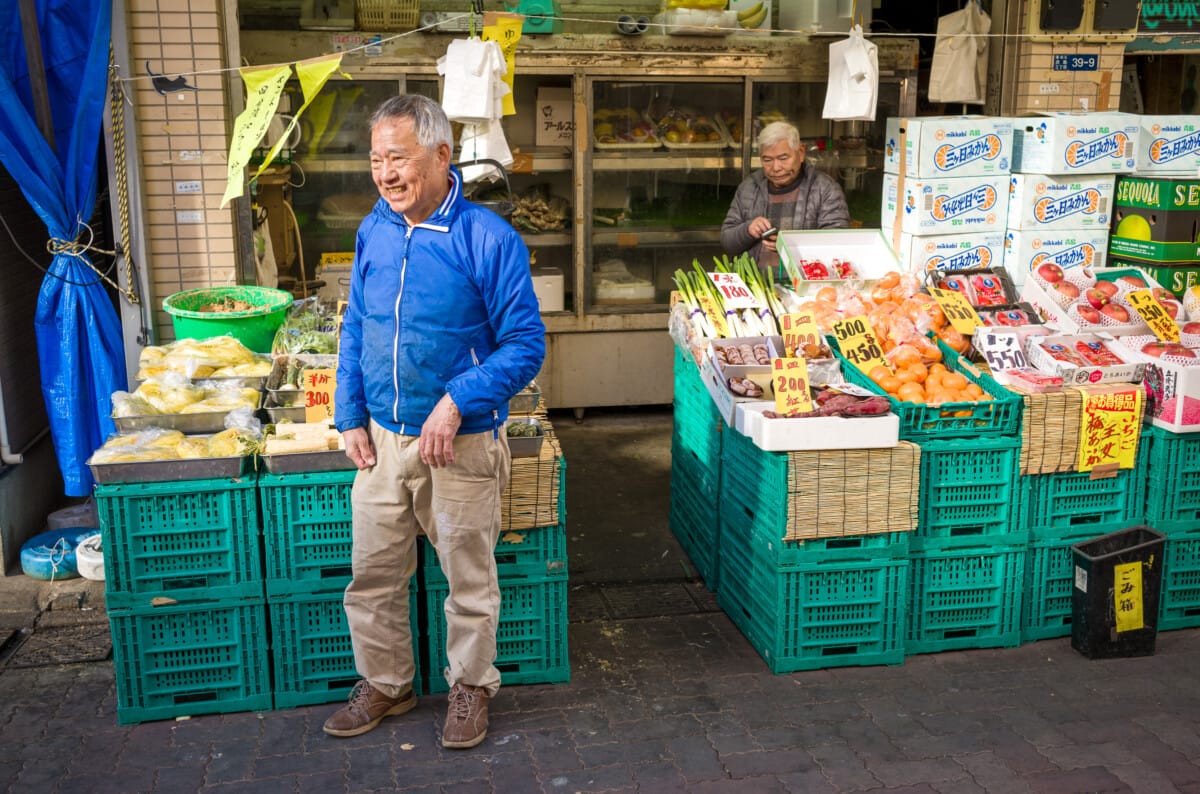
<point>458,508</point>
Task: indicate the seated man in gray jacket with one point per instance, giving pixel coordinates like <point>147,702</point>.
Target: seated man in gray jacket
<point>787,193</point>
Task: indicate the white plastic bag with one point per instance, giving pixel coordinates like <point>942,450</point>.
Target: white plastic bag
<point>853,79</point>
<point>959,70</point>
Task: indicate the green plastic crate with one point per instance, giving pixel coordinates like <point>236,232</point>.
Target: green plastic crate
<point>1049,579</point>
<point>698,425</point>
<point>1000,416</point>
<point>198,657</point>
<point>307,528</point>
<point>1175,460</point>
<point>310,643</point>
<point>539,553</point>
<point>1179,599</point>
<point>835,613</point>
<point>965,593</point>
<point>1074,499</point>
<point>693,520</point>
<point>969,487</point>
<point>177,539</point>
<point>531,640</point>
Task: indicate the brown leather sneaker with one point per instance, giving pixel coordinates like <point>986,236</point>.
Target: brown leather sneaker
<point>366,709</point>
<point>466,717</point>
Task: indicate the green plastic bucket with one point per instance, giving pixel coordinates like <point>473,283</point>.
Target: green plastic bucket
<point>254,327</point>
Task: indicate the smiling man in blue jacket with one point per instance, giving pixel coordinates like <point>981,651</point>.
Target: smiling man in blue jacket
<point>442,328</point>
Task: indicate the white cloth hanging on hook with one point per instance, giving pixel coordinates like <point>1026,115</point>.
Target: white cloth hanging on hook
<point>959,71</point>
<point>474,88</point>
<point>853,79</point>
<point>484,141</point>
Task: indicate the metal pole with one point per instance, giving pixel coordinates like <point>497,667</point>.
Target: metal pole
<point>37,70</point>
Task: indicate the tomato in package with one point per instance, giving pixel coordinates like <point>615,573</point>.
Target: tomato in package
<point>1097,353</point>
<point>1060,352</point>
<point>1010,317</point>
<point>959,284</point>
<point>988,290</point>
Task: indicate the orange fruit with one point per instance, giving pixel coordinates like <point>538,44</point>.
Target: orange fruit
<point>937,368</point>
<point>973,391</point>
<point>905,356</point>
<point>953,380</point>
<point>879,372</point>
<point>827,295</point>
<point>911,392</point>
<point>921,371</point>
<point>891,384</point>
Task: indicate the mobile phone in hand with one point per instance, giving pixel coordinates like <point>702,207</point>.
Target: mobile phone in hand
<point>769,233</point>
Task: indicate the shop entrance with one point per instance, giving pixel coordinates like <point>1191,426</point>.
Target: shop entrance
<point>623,559</point>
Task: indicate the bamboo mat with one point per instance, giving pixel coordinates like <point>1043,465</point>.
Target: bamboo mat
<point>1050,428</point>
<point>839,492</point>
<point>532,497</point>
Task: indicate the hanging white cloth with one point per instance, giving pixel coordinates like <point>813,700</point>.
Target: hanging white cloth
<point>474,88</point>
<point>959,71</point>
<point>484,141</point>
<point>853,79</point>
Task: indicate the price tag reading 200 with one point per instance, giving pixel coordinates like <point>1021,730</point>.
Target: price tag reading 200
<point>789,376</point>
<point>319,385</point>
<point>858,343</point>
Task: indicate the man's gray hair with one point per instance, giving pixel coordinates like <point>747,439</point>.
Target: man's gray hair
<point>429,121</point>
<point>779,132</point>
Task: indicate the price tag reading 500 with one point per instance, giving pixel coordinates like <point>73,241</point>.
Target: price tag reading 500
<point>790,378</point>
<point>319,385</point>
<point>858,343</point>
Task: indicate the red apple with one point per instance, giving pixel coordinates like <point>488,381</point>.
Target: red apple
<point>1096,297</point>
<point>1116,312</point>
<point>1192,328</point>
<point>1183,351</point>
<point>1170,307</point>
<point>1087,313</point>
<point>1050,273</point>
<point>1161,294</point>
<point>1133,282</point>
<point>1107,287</point>
<point>1158,349</point>
<point>1066,288</point>
<point>1155,349</point>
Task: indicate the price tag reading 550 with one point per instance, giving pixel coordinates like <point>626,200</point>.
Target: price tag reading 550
<point>789,376</point>
<point>319,385</point>
<point>858,343</point>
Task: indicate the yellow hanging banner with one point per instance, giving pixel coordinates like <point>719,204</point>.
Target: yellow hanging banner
<point>1108,431</point>
<point>313,74</point>
<point>505,30</point>
<point>263,87</point>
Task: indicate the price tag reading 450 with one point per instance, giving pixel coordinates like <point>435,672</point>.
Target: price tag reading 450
<point>319,385</point>
<point>790,378</point>
<point>734,292</point>
<point>799,330</point>
<point>858,343</point>
<point>1146,305</point>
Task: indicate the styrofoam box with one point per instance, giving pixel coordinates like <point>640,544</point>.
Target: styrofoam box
<point>946,205</point>
<point>816,432</point>
<point>937,146</point>
<point>548,287</point>
<point>1041,202</point>
<point>714,377</point>
<point>1169,145</point>
<point>1076,143</point>
<point>1067,248</point>
<point>867,250</point>
<point>918,253</point>
<point>1056,314</point>
<point>1176,388</point>
<point>1074,375</point>
<point>337,282</point>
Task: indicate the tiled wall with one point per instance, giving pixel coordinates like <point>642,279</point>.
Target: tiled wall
<point>1041,88</point>
<point>182,139</point>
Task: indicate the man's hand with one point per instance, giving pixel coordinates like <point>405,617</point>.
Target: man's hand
<point>359,447</point>
<point>758,226</point>
<point>438,432</point>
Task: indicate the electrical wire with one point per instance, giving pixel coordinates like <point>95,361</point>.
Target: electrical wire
<point>299,248</point>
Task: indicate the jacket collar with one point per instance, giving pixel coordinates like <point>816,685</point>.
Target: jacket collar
<point>441,217</point>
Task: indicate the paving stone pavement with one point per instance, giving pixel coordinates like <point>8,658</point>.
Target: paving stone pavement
<point>664,704</point>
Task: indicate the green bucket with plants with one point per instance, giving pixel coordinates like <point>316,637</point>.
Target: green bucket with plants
<point>250,314</point>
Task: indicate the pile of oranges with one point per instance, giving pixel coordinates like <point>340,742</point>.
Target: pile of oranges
<point>911,379</point>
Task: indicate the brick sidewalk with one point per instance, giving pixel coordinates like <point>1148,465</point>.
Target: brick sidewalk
<point>669,704</point>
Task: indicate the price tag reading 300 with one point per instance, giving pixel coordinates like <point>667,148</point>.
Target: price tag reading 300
<point>1146,305</point>
<point>789,376</point>
<point>319,385</point>
<point>799,330</point>
<point>858,343</point>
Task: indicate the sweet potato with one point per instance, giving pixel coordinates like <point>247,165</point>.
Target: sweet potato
<point>868,406</point>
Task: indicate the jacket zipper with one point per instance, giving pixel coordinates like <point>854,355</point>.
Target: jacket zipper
<point>495,411</point>
<point>396,337</point>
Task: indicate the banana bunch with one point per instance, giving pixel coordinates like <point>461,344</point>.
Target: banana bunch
<point>752,17</point>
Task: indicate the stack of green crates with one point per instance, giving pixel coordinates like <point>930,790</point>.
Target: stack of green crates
<point>1173,508</point>
<point>804,605</point>
<point>307,543</point>
<point>695,471</point>
<point>531,639</point>
<point>1063,509</point>
<point>184,589</point>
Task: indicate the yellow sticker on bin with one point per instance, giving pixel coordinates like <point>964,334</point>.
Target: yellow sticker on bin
<point>1127,596</point>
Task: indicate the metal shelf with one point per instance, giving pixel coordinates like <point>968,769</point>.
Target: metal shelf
<point>546,239</point>
<point>663,160</point>
<point>633,236</point>
<point>548,160</point>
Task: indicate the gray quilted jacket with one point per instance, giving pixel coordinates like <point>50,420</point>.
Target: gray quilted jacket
<point>820,205</point>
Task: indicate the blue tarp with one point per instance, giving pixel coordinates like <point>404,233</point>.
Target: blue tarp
<point>80,348</point>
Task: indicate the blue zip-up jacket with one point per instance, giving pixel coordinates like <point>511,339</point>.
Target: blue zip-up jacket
<point>443,306</point>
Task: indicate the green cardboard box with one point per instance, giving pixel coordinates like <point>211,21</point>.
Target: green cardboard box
<point>1178,277</point>
<point>1156,220</point>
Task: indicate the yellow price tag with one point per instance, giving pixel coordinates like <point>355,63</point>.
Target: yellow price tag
<point>1109,427</point>
<point>799,329</point>
<point>858,342</point>
<point>337,258</point>
<point>715,316</point>
<point>1146,305</point>
<point>958,310</point>
<point>1127,596</point>
<point>319,385</point>
<point>789,376</point>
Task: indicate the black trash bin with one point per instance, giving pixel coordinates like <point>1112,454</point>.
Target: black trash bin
<point>1115,599</point>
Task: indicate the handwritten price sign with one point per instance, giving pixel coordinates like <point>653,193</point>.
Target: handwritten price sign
<point>1108,430</point>
<point>715,316</point>
<point>799,329</point>
<point>858,343</point>
<point>958,310</point>
<point>1001,349</point>
<point>1146,305</point>
<point>319,385</point>
<point>789,376</point>
<point>734,292</point>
